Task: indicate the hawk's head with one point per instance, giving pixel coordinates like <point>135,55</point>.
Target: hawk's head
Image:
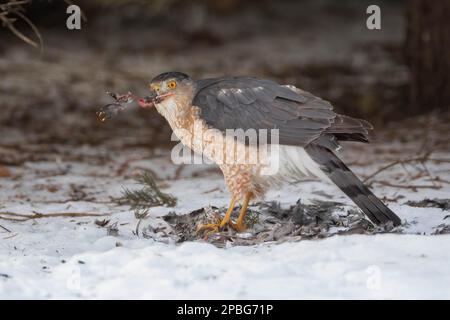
<point>169,84</point>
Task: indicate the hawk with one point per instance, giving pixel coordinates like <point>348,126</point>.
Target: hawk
<point>202,112</point>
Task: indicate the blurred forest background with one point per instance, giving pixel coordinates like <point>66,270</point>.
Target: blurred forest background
<point>323,46</point>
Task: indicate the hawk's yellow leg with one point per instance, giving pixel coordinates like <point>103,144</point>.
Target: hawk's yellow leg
<point>240,226</point>
<point>215,227</point>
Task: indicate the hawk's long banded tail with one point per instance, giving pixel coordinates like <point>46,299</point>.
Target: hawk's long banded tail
<point>349,183</point>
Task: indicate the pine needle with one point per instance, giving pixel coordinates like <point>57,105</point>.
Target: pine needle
<point>148,196</point>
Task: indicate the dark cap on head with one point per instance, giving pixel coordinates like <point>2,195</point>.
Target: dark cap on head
<point>170,75</point>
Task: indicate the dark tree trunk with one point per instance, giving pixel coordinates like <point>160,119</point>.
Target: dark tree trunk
<point>428,54</point>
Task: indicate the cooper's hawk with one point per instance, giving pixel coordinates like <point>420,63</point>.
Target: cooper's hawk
<point>308,134</point>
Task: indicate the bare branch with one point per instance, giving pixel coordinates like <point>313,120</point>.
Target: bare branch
<point>4,228</point>
<point>36,215</point>
<point>420,159</point>
<point>12,9</point>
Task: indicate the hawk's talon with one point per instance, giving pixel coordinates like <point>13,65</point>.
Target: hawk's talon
<point>212,227</point>
<point>216,227</point>
<point>239,226</point>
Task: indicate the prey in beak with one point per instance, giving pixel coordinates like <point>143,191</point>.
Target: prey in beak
<point>159,91</point>
<point>150,101</point>
<point>120,103</point>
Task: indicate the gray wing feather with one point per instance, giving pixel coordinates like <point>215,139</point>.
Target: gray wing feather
<point>250,103</point>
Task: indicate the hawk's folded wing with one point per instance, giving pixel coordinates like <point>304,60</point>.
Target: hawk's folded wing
<point>250,103</point>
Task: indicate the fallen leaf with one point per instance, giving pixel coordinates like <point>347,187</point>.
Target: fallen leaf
<point>4,172</point>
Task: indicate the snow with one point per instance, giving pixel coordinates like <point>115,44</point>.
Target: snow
<point>382,266</point>
<point>73,257</point>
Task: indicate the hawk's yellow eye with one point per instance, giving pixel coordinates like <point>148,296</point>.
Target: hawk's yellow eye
<point>172,85</point>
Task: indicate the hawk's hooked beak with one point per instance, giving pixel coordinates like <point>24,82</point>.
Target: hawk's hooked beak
<point>153,98</point>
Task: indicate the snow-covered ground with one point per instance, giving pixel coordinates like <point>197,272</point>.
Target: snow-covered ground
<point>74,256</point>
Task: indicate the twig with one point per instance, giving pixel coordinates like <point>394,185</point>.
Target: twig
<point>137,227</point>
<point>420,159</point>
<point>4,228</point>
<point>441,180</point>
<point>428,172</point>
<point>413,187</point>
<point>12,219</point>
<point>15,8</point>
<point>140,215</point>
<point>211,190</point>
<point>440,160</point>
<point>71,200</point>
<point>33,27</point>
<point>37,215</point>
<point>406,170</point>
<point>11,236</point>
